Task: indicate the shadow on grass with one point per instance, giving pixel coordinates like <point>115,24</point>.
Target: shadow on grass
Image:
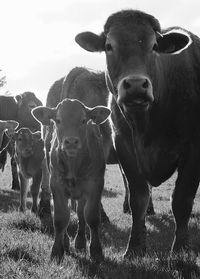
<point>19,253</point>
<point>109,193</point>
<point>9,199</point>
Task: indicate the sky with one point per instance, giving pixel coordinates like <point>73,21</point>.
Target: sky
<point>37,36</point>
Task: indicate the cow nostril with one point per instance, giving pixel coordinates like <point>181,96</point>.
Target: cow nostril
<point>145,84</point>
<point>126,84</point>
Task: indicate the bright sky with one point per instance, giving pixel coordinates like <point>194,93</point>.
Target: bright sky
<point>37,36</point>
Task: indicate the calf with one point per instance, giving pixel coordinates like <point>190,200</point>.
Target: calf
<point>77,167</point>
<point>29,154</point>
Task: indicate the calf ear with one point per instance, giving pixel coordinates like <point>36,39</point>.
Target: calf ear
<point>99,114</point>
<point>173,42</point>
<point>44,114</point>
<point>90,41</point>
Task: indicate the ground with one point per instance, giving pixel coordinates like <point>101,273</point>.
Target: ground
<point>25,251</point>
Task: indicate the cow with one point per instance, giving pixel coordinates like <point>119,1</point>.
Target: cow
<point>153,75</point>
<point>29,154</point>
<point>89,87</point>
<point>77,167</point>
<point>17,108</point>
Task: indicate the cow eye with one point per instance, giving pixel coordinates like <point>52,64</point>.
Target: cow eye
<point>155,47</point>
<point>108,47</point>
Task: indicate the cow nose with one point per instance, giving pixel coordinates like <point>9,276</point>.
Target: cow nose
<point>135,84</point>
<point>71,142</point>
<point>135,91</point>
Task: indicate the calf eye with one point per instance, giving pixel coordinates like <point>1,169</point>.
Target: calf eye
<point>83,121</point>
<point>108,47</point>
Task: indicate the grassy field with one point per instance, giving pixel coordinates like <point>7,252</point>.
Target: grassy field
<point>25,251</point>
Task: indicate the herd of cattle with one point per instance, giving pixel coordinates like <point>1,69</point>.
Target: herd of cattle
<point>142,113</point>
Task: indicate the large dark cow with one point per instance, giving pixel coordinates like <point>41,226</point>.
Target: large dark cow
<point>77,167</point>
<point>90,88</point>
<point>17,108</point>
<point>153,75</point>
<point>29,154</point>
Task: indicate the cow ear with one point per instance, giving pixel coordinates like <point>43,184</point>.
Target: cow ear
<point>173,42</point>
<point>90,41</point>
<point>99,114</point>
<point>44,114</point>
<point>18,99</point>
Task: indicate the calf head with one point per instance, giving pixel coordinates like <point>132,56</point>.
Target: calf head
<point>132,42</point>
<point>9,127</point>
<point>24,142</point>
<point>26,102</point>
<point>71,119</point>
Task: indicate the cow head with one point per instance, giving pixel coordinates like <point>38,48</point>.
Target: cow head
<point>24,142</point>
<point>132,41</point>
<point>9,127</point>
<point>71,119</point>
<point>26,102</point>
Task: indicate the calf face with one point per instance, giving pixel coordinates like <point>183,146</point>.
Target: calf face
<point>132,41</point>
<point>24,142</point>
<point>71,118</point>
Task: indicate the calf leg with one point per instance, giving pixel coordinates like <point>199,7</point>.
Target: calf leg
<point>61,220</point>
<point>23,192</point>
<point>80,240</point>
<point>15,180</point>
<point>35,187</point>
<point>92,217</point>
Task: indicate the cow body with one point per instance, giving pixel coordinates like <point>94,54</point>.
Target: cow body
<point>154,78</point>
<point>29,154</point>
<point>77,167</point>
<point>17,108</point>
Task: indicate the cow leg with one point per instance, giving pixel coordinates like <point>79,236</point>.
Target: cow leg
<point>61,220</point>
<point>139,196</point>
<point>183,197</point>
<point>23,192</point>
<point>3,159</point>
<point>15,180</point>
<point>35,187</point>
<point>92,217</point>
<point>104,216</point>
<point>80,240</point>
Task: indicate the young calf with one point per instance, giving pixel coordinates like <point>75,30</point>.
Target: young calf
<point>29,154</point>
<point>77,167</point>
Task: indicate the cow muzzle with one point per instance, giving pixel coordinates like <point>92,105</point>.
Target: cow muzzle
<point>135,92</point>
<point>71,146</point>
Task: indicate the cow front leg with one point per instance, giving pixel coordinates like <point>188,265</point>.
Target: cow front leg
<point>92,217</point>
<point>61,220</point>
<point>15,180</point>
<point>138,195</point>
<point>80,239</point>
<point>183,197</point>
<point>35,187</point>
<point>23,192</point>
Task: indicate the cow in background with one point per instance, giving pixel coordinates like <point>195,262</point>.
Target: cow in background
<point>153,75</point>
<point>29,154</point>
<point>17,108</point>
<point>77,167</point>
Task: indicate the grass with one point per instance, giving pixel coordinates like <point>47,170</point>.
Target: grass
<point>25,251</point>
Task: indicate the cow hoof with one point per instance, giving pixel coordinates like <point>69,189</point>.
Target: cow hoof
<point>22,209</point>
<point>80,243</point>
<point>135,251</point>
<point>181,244</point>
<point>57,254</point>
